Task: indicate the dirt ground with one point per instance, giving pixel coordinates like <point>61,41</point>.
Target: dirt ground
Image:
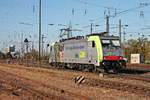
<point>28,83</point>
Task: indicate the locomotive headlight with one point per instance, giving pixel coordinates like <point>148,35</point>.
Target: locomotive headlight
<point>120,58</point>
<point>104,58</point>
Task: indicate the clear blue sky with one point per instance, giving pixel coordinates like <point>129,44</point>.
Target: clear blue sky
<point>14,12</point>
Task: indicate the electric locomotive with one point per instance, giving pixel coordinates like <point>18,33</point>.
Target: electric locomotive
<point>95,52</point>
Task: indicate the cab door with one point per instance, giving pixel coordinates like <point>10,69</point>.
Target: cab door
<point>92,53</point>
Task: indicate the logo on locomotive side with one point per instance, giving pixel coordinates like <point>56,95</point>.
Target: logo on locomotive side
<point>74,47</point>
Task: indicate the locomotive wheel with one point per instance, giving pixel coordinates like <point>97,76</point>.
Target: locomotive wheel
<point>106,70</point>
<point>117,68</point>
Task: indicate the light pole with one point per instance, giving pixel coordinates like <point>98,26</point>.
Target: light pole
<point>43,44</point>
<point>40,30</point>
<point>120,30</point>
<point>91,27</point>
<point>124,33</point>
<point>124,39</point>
<point>107,24</point>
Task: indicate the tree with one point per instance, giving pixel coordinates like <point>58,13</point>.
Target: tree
<point>140,46</point>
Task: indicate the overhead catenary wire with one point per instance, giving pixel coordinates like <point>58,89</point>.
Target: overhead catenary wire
<point>129,10</point>
<point>95,5</point>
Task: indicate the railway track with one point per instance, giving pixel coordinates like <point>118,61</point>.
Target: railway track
<point>20,88</point>
<point>136,89</point>
<point>22,91</point>
<point>131,77</point>
<point>27,89</point>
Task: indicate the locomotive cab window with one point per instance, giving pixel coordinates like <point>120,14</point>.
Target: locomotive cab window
<point>106,42</point>
<point>116,43</point>
<point>93,44</point>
